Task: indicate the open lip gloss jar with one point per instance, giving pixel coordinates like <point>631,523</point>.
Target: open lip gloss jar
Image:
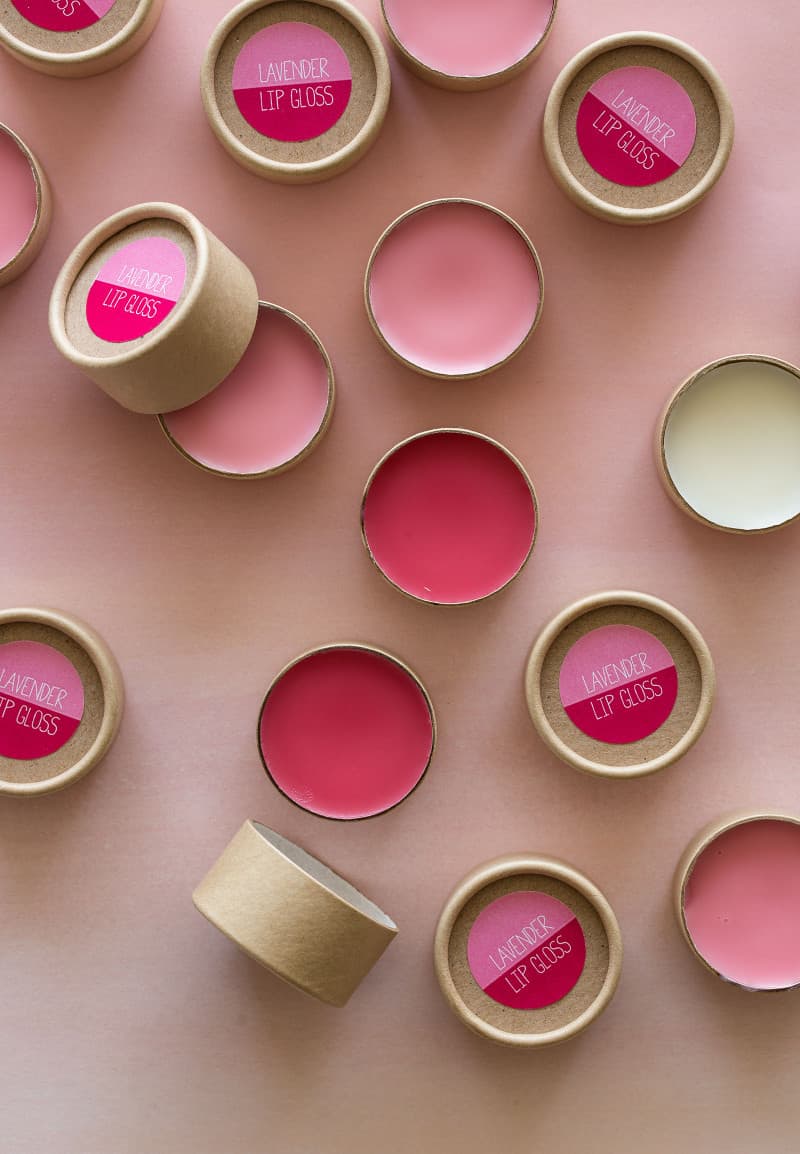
<point>467,45</point>
<point>620,684</point>
<point>728,444</point>
<point>61,700</point>
<point>346,731</point>
<point>449,517</point>
<point>26,206</point>
<point>76,37</point>
<point>527,951</point>
<point>454,288</point>
<point>637,128</point>
<point>296,90</point>
<point>737,899</point>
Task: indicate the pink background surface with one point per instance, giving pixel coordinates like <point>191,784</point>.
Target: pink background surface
<point>129,1025</point>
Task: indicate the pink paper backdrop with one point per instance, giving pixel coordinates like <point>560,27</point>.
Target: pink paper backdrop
<point>128,1024</point>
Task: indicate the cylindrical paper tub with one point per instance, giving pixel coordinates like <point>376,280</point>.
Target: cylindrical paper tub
<point>26,206</point>
<point>728,444</point>
<point>468,46</point>
<point>296,90</point>
<point>269,413</point>
<point>61,699</point>
<point>527,951</point>
<point>293,915</point>
<point>449,517</point>
<point>154,308</point>
<point>346,731</point>
<point>637,128</point>
<point>620,684</point>
<point>76,37</point>
<point>737,897</point>
<point>454,289</point>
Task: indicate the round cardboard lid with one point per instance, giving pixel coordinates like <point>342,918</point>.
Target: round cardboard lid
<point>620,684</point>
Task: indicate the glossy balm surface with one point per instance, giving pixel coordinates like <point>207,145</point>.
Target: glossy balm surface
<point>449,517</point>
<point>469,37</point>
<point>346,733</point>
<point>267,411</point>
<point>732,445</point>
<point>18,200</point>
<point>742,904</point>
<point>454,289</point>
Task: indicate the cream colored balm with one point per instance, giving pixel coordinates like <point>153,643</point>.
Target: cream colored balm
<point>729,444</point>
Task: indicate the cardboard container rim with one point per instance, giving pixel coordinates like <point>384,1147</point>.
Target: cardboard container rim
<point>455,82</point>
<point>589,201</point>
<point>683,872</point>
<point>553,629</point>
<point>362,647</point>
<point>302,453</point>
<point>113,695</point>
<point>304,170</point>
<point>25,256</point>
<point>498,869</point>
<point>661,436</point>
<point>468,433</point>
<point>390,228</point>
<point>101,58</point>
<point>83,252</point>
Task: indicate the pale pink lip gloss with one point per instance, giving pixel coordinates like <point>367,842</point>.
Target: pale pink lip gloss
<point>346,731</point>
<point>739,900</point>
<point>269,412</point>
<point>449,516</point>
<point>453,288</point>
<point>24,206</point>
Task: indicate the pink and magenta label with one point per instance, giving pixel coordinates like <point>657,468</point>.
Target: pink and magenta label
<point>526,950</point>
<point>636,126</point>
<point>41,700</point>
<point>63,15</point>
<point>618,684</point>
<point>136,289</point>
<point>292,81</point>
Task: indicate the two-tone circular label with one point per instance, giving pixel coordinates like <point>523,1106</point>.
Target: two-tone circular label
<point>63,15</point>
<point>526,950</point>
<point>41,700</point>
<point>136,289</point>
<point>292,81</point>
<point>636,126</point>
<point>618,684</point>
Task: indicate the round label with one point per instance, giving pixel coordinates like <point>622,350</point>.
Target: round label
<point>41,700</point>
<point>136,289</point>
<point>292,81</point>
<point>618,684</point>
<point>63,15</point>
<point>526,950</point>
<point>636,126</point>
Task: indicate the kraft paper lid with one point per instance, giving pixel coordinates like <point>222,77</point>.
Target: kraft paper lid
<point>482,926</point>
<point>154,308</point>
<point>281,126</point>
<point>69,50</point>
<point>699,162</point>
<point>25,257</point>
<point>293,915</point>
<point>620,684</point>
<point>61,700</point>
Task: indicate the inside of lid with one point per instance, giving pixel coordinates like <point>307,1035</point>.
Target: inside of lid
<point>326,877</point>
<point>70,30</point>
<point>690,171</point>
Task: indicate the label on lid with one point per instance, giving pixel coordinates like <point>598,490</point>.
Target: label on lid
<point>63,15</point>
<point>636,126</point>
<point>618,684</point>
<point>136,289</point>
<point>292,81</point>
<point>526,950</point>
<point>41,700</point>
